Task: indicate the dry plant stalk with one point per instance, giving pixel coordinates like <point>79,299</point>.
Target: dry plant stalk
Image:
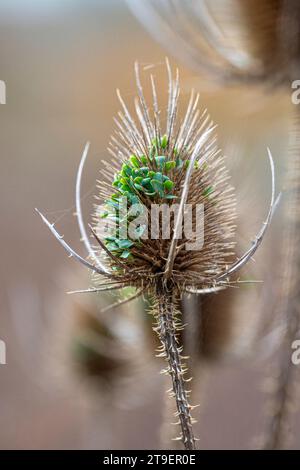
<point>149,166</point>
<point>283,397</point>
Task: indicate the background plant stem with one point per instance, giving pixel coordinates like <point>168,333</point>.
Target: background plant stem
<point>290,296</point>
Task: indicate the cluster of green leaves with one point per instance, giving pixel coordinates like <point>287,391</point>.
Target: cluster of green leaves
<point>147,176</point>
<point>142,176</point>
<point>120,247</point>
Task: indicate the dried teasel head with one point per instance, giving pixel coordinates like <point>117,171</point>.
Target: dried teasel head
<point>160,169</point>
<point>177,166</point>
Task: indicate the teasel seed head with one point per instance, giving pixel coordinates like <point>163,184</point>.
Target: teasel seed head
<point>181,163</point>
<point>153,165</point>
<point>233,41</point>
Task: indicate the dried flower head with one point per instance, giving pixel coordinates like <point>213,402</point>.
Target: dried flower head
<point>167,171</point>
<point>169,214</point>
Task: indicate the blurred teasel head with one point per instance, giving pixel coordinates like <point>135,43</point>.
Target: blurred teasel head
<point>252,41</point>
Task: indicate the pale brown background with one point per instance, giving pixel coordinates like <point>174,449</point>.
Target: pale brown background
<point>62,62</point>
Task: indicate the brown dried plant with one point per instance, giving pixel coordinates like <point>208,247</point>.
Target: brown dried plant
<point>185,154</point>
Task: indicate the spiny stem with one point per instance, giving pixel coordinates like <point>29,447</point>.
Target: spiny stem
<point>167,328</point>
<point>168,432</point>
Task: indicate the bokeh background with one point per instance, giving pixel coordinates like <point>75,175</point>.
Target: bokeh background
<point>74,379</point>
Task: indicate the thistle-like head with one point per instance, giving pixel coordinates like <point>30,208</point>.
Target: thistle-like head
<point>169,209</point>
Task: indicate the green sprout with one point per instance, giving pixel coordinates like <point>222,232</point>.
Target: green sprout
<point>142,177</point>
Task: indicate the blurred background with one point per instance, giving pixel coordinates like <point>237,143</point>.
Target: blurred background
<point>74,378</point>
